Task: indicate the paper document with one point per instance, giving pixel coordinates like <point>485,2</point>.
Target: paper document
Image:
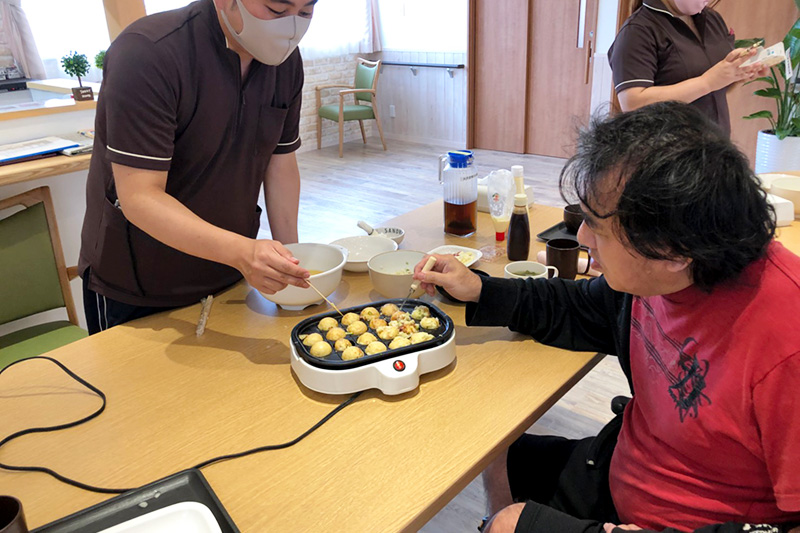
<point>10,153</point>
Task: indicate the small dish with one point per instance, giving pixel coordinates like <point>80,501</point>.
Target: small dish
<point>768,177</point>
<point>362,248</point>
<point>396,234</point>
<point>468,256</point>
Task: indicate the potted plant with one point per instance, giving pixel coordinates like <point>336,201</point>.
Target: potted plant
<point>778,148</point>
<point>75,64</point>
<point>99,58</point>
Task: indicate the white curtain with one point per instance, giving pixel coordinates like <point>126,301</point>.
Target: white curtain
<point>18,33</point>
<point>342,27</point>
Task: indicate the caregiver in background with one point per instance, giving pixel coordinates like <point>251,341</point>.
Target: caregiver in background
<point>678,50</point>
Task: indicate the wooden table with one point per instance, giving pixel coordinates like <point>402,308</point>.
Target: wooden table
<point>382,464</point>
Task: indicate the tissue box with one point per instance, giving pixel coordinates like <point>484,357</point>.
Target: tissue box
<point>784,209</point>
<point>483,196</point>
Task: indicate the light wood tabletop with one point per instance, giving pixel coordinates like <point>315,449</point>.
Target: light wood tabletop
<point>385,463</point>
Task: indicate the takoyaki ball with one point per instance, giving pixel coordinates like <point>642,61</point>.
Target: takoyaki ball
<point>419,337</point>
<point>420,312</point>
<point>311,339</point>
<point>327,323</point>
<point>375,323</point>
<point>334,334</point>
<point>342,344</point>
<point>366,338</point>
<point>349,318</point>
<point>409,328</point>
<point>429,322</point>
<point>375,347</point>
<point>320,349</point>
<point>387,333</point>
<point>389,309</point>
<point>399,342</point>
<point>401,316</point>
<point>368,313</point>
<point>357,328</point>
<point>353,352</point>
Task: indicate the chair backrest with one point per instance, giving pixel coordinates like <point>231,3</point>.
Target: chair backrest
<point>367,73</point>
<point>34,275</point>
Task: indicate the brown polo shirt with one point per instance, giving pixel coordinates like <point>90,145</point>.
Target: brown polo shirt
<point>654,47</point>
<point>173,99</point>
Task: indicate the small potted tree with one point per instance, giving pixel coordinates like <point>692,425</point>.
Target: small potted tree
<point>99,58</point>
<point>778,148</point>
<point>75,64</point>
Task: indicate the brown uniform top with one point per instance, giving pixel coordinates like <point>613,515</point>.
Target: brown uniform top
<point>654,47</point>
<point>173,99</point>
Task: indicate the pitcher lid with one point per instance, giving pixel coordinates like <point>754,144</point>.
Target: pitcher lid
<point>460,158</point>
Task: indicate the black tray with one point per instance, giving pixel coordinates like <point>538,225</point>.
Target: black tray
<point>559,231</point>
<point>189,485</point>
<point>334,361</point>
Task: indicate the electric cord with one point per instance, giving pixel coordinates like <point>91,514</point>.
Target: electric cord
<point>95,414</point>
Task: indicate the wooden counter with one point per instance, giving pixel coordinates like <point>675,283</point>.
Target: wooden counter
<point>43,168</point>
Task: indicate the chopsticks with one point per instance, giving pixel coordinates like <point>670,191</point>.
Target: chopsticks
<point>326,299</point>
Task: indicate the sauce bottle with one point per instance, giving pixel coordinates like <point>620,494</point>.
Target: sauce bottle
<point>519,229</point>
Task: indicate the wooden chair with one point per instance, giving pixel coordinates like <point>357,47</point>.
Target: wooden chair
<point>34,278</point>
<point>364,89</point>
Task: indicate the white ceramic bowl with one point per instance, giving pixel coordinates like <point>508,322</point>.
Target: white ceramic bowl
<point>768,177</point>
<point>396,234</point>
<point>362,248</point>
<point>529,269</point>
<point>391,273</point>
<point>788,187</point>
<point>325,258</point>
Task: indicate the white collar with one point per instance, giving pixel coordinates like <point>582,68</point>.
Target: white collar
<point>659,10</point>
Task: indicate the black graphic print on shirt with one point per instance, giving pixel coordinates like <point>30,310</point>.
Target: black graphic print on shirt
<point>686,387</point>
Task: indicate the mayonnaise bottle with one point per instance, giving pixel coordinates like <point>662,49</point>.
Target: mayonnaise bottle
<point>500,193</point>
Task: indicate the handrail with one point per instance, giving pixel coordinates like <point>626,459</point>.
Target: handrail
<point>431,65</point>
<point>451,67</point>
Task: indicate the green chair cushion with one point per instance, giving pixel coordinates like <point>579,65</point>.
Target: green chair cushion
<point>37,340</point>
<point>30,277</point>
<point>351,112</point>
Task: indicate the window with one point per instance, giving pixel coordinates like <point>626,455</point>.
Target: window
<point>61,27</point>
<point>339,27</point>
<point>424,25</point>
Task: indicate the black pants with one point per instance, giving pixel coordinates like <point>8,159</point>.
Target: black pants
<point>103,313</point>
<point>564,483</point>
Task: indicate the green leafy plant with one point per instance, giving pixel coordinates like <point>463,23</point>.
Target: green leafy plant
<point>783,87</point>
<point>101,56</point>
<point>75,64</point>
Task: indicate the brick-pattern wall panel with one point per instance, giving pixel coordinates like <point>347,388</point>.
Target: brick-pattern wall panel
<point>339,70</point>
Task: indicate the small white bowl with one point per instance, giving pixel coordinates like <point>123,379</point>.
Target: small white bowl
<point>768,177</point>
<point>396,234</point>
<point>788,187</point>
<point>327,259</point>
<point>362,248</point>
<point>392,273</point>
<point>529,269</point>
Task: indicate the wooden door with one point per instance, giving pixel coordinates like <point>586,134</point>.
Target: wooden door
<point>560,77</point>
<point>497,74</point>
<point>771,20</point>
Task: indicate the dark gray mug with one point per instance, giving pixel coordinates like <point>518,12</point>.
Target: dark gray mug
<point>12,519</point>
<point>563,254</point>
<point>573,217</point>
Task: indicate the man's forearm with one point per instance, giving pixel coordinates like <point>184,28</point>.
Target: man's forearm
<point>282,196</point>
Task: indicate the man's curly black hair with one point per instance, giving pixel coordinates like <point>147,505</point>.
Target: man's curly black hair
<point>685,191</point>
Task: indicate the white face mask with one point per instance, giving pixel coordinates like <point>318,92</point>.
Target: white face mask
<point>269,41</point>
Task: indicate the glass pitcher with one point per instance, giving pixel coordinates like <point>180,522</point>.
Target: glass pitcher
<point>458,175</point>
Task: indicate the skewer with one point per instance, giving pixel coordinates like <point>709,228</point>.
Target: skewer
<point>326,299</point>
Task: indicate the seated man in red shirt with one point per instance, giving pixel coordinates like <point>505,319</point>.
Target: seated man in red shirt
<point>702,307</point>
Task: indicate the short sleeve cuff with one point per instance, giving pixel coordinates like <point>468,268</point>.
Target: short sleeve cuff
<point>628,84</point>
<point>287,147</point>
<point>134,160</point>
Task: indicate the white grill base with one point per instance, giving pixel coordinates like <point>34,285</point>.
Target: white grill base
<point>379,375</point>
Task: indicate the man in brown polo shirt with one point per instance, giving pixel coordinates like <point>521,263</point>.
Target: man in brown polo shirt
<point>678,50</point>
<point>198,111</point>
